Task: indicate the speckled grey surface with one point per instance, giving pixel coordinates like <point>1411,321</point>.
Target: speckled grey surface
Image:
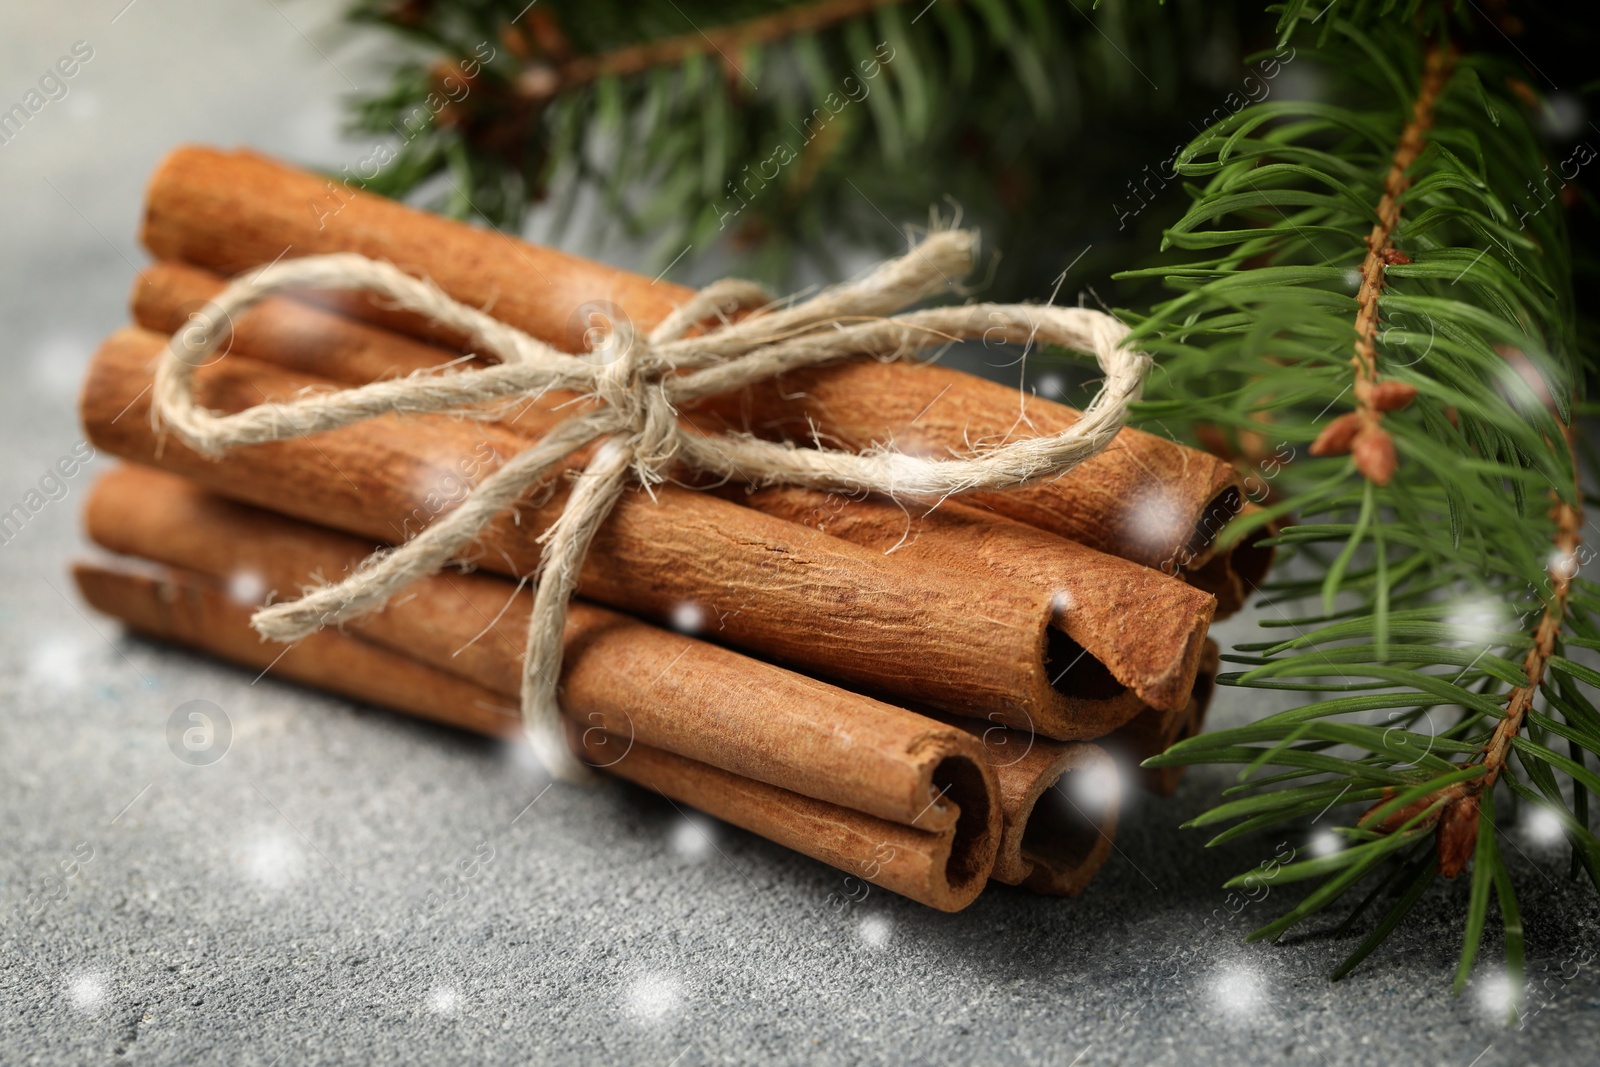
<point>348,886</point>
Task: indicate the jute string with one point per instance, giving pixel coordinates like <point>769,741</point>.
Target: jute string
<point>636,420</point>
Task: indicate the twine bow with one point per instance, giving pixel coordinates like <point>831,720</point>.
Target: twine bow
<point>636,420</point>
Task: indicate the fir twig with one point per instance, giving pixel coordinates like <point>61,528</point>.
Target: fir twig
<point>1395,218</point>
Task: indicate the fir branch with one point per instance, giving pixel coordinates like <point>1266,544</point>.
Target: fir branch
<point>1421,580</point>
<point>1563,568</point>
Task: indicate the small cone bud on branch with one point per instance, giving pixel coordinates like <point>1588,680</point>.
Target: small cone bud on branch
<point>1374,454</point>
<point>1337,436</point>
<point>1457,836</point>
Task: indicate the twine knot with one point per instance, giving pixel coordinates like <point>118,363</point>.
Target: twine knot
<point>630,386</point>
<point>635,385</point>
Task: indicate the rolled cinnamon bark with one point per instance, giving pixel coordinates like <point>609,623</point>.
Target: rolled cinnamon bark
<point>1139,629</point>
<point>665,690</point>
<point>288,333</point>
<point>1146,498</point>
<point>798,596</point>
<point>1153,732</point>
<point>1054,842</point>
<point>914,863</point>
<point>191,610</point>
<point>943,868</point>
<point>630,680</point>
<point>1135,626</point>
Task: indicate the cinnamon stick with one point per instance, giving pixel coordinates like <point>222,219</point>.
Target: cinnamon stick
<point>1153,732</point>
<point>798,596</point>
<point>1145,498</point>
<point>915,863</point>
<point>945,868</point>
<point>1053,842</point>
<point>630,680</point>
<point>199,613</point>
<point>620,675</point>
<point>1133,626</point>
<point>1124,625</point>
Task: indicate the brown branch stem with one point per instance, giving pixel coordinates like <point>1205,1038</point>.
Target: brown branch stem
<point>1454,809</point>
<point>1359,432</point>
<point>723,41</point>
<point>1436,72</point>
<point>1563,566</point>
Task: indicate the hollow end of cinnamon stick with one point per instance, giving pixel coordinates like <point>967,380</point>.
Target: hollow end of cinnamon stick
<point>1213,516</point>
<point>1235,574</point>
<point>1060,804</point>
<point>945,870</point>
<point>1115,625</point>
<point>1059,833</point>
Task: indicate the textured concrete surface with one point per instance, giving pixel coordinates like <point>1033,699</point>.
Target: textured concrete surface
<point>345,885</point>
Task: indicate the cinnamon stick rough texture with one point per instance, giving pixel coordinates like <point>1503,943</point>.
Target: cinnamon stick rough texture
<point>1142,628</point>
<point>798,596</point>
<point>200,614</point>
<point>937,868</point>
<point>631,681</point>
<point>619,675</point>
<point>1145,498</point>
<point>1139,629</point>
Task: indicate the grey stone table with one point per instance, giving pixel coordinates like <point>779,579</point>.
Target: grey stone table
<point>348,885</point>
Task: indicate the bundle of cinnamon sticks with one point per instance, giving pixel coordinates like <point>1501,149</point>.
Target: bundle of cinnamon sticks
<point>908,696</point>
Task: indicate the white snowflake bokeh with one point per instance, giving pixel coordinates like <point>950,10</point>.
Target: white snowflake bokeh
<point>1496,996</point>
<point>655,996</point>
<point>1237,990</point>
<point>1096,788</point>
<point>444,1000</point>
<point>57,662</point>
<point>688,618</point>
<point>1477,620</point>
<point>692,837</point>
<point>272,860</point>
<point>1325,843</point>
<point>876,931</point>
<point>1541,826</point>
<point>246,587</point>
<point>86,992</point>
<point>1157,521</point>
